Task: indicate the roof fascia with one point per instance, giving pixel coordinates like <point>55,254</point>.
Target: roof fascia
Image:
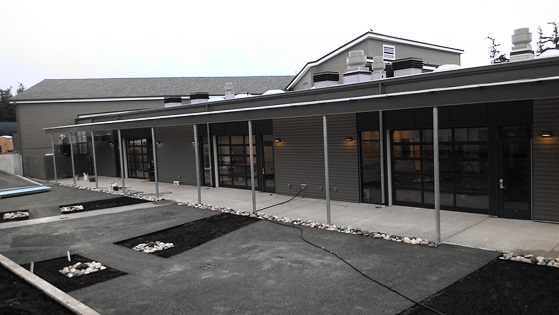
<point>448,96</point>
<point>88,100</point>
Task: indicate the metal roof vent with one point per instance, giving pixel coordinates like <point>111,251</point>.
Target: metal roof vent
<point>326,78</point>
<point>378,67</point>
<point>199,97</point>
<point>172,101</point>
<point>407,66</point>
<point>521,47</point>
<point>229,91</point>
<point>356,70</point>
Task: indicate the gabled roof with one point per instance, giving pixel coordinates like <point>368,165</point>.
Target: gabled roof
<point>80,89</point>
<point>367,35</point>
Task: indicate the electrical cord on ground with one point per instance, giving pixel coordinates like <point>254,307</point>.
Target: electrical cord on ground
<point>344,261</point>
<point>281,203</point>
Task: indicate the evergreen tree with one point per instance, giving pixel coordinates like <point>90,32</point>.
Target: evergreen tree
<point>494,53</point>
<point>546,43</point>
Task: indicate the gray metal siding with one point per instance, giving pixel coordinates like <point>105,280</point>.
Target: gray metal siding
<point>32,118</point>
<point>545,156</point>
<point>105,158</point>
<point>175,155</point>
<point>299,158</point>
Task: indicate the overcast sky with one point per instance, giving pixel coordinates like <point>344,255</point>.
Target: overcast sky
<point>120,38</point>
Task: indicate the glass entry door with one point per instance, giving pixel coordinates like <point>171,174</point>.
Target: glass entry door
<point>266,175</point>
<point>371,190</point>
<point>233,155</point>
<point>514,174</point>
<point>139,158</point>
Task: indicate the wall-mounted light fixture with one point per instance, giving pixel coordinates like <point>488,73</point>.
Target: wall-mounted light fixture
<point>158,142</point>
<point>277,140</point>
<point>111,144</point>
<point>348,139</point>
<point>546,134</point>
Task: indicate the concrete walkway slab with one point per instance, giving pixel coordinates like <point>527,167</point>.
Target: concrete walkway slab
<point>465,229</point>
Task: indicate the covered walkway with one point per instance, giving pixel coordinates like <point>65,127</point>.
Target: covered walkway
<point>465,229</point>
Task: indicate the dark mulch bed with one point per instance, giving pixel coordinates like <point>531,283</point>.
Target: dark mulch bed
<point>189,235</point>
<point>500,287</point>
<point>15,219</point>
<point>17,296</point>
<point>106,203</point>
<point>49,271</point>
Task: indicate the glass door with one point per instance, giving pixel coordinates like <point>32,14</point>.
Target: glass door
<point>266,175</point>
<point>514,172</point>
<point>371,190</point>
<point>139,158</point>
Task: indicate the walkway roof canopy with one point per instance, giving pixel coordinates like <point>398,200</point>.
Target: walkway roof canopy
<point>523,80</point>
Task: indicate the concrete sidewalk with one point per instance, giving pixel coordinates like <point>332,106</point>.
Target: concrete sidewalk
<point>465,229</point>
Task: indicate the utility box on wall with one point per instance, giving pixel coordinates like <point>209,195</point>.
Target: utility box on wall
<point>6,144</point>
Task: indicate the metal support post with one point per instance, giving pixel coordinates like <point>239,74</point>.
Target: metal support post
<point>94,160</point>
<point>198,184</point>
<point>72,158</point>
<point>381,152</point>
<point>121,154</point>
<point>326,170</point>
<point>251,148</point>
<point>54,158</point>
<point>437,172</point>
<point>155,172</point>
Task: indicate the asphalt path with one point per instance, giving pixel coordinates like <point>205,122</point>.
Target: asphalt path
<point>263,268</point>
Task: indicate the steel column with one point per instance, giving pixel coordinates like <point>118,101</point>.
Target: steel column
<point>198,184</point>
<point>94,160</point>
<point>121,153</point>
<point>210,159</point>
<point>326,170</point>
<point>251,146</point>
<point>381,152</point>
<point>54,158</point>
<point>437,173</point>
<point>72,158</point>
<point>156,175</point>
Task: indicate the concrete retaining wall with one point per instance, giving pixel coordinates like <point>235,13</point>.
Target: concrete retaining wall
<point>11,163</point>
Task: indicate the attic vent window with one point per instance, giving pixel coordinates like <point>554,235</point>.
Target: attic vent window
<point>388,52</point>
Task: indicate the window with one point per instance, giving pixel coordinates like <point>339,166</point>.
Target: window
<point>463,168</point>
<point>388,52</point>
<point>234,161</point>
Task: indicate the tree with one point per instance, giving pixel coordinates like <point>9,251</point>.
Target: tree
<point>546,43</point>
<point>494,53</point>
<point>7,110</point>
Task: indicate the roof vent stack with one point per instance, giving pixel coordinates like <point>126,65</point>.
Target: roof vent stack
<point>326,78</point>
<point>521,47</point>
<point>356,70</point>
<point>229,91</point>
<point>172,101</point>
<point>407,66</point>
<point>199,97</point>
<point>378,68</point>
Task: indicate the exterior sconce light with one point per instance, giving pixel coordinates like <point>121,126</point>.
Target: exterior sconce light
<point>349,139</point>
<point>546,134</point>
<point>157,142</point>
<point>111,144</point>
<point>277,140</point>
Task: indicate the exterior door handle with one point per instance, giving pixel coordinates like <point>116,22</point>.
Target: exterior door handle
<point>501,184</point>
